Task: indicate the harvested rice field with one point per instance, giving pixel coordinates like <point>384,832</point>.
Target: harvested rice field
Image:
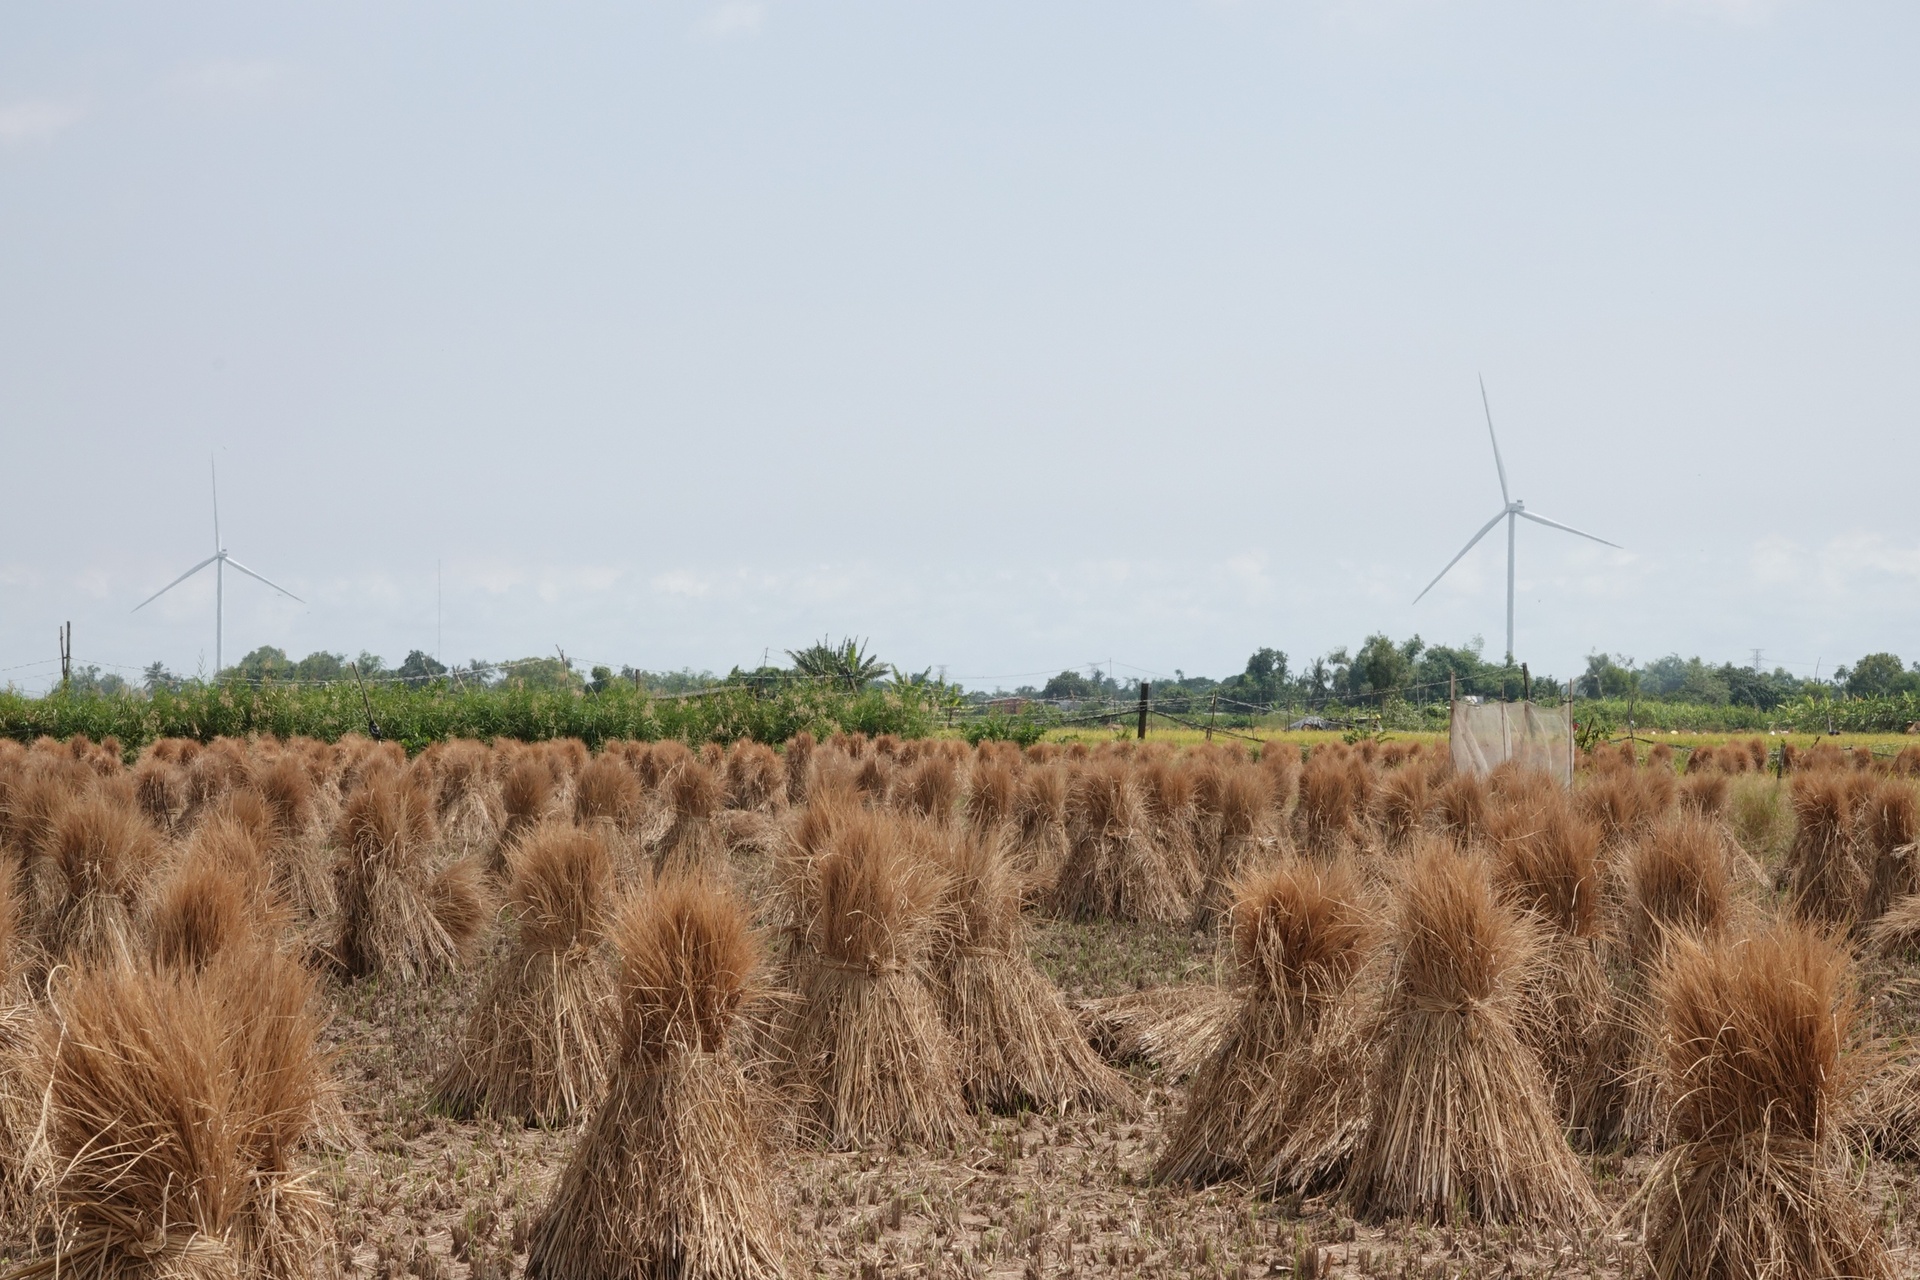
<point>876,1008</point>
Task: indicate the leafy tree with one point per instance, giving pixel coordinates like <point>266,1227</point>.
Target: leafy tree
<point>263,664</point>
<point>321,666</point>
<point>1382,666</point>
<point>549,674</point>
<point>847,664</point>
<point>1606,677</point>
<point>1677,679</point>
<point>1264,681</point>
<point>685,680</point>
<point>1469,672</point>
<point>1749,688</point>
<point>1878,675</point>
<point>370,665</point>
<point>1068,686</point>
<point>1317,679</point>
<point>88,682</point>
<point>419,669</point>
<point>156,679</point>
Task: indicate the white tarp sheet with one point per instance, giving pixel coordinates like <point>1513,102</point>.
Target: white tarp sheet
<point>1485,735</point>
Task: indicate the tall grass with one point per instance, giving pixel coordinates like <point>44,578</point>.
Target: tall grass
<point>417,717</point>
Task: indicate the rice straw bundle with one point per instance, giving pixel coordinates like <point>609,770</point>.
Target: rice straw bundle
<point>161,789</point>
<point>1017,1045</point>
<point>90,880</point>
<point>219,897</point>
<point>1462,804</point>
<point>1897,931</point>
<point>1300,934</point>
<point>1400,804</point>
<point>1183,804</point>
<point>537,1046</point>
<point>281,812</point>
<point>755,778</point>
<point>605,790</point>
<point>670,1179</point>
<point>929,788</point>
<point>1756,1081</point>
<point>1460,1124</point>
<point>526,791</point>
<point>220,766</point>
<point>565,758</point>
<point>864,1041</point>
<point>1677,881</point>
<point>1624,803</point>
<point>467,803</point>
<point>797,763</point>
<point>1239,837</point>
<point>1887,826</point>
<point>1040,811</point>
<point>1825,879</point>
<point>1114,869</point>
<point>1175,1028</point>
<point>693,793</point>
<point>42,789</point>
<point>397,916</point>
<point>174,1103</point>
<point>993,792</point>
<point>1706,793</point>
<point>1334,790</point>
<point>1549,866</point>
<point>871,776</point>
<point>1280,761</point>
<point>17,1112</point>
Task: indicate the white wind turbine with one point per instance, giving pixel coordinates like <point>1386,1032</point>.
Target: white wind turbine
<point>219,560</point>
<point>1512,510</point>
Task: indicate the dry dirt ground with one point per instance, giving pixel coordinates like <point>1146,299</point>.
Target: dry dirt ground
<point>1022,1196</point>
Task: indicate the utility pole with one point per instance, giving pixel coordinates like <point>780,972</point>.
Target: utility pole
<point>1756,662</point>
<point>66,657</point>
<point>1146,688</point>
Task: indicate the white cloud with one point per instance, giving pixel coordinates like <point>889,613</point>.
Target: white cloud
<point>29,122</point>
<point>736,18</point>
<point>240,80</point>
<point>1838,565</point>
<point>682,583</point>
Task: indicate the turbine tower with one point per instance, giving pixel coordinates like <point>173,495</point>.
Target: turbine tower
<point>219,560</point>
<point>1512,511</point>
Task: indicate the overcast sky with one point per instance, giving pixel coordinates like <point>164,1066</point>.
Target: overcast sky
<point>1011,336</point>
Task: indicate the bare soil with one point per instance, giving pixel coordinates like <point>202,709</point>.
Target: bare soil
<point>1022,1196</point>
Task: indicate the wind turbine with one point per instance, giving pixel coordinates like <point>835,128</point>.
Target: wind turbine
<point>219,560</point>
<point>1512,510</point>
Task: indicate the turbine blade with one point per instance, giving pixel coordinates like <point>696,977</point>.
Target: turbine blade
<point>171,585</point>
<point>235,564</point>
<point>1567,528</point>
<point>213,472</point>
<point>1499,465</point>
<point>1484,530</point>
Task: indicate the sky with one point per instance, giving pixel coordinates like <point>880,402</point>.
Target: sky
<point>1011,337</point>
